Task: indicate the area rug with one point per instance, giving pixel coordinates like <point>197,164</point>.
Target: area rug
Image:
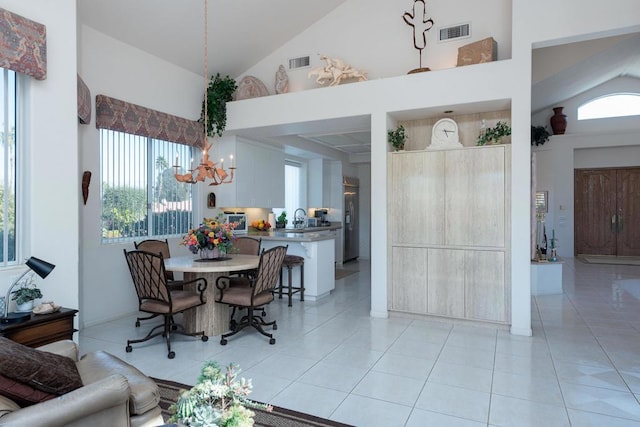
<point>279,417</point>
<point>610,259</point>
<point>342,273</point>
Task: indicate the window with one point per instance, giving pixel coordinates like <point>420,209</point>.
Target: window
<point>8,167</point>
<point>292,188</point>
<point>613,105</point>
<point>140,196</point>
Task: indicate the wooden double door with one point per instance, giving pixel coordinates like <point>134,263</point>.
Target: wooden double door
<point>607,211</point>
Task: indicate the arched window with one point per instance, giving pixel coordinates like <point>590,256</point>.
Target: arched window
<point>613,105</point>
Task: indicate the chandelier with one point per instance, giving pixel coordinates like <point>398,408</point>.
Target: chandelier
<point>206,168</point>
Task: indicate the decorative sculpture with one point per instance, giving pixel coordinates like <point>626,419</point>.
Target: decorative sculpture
<point>282,80</point>
<point>250,87</point>
<point>418,20</point>
<point>335,71</point>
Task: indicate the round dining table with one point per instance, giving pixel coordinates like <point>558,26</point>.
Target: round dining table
<point>211,318</point>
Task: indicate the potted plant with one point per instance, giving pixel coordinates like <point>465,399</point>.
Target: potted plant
<point>218,399</point>
<point>25,295</point>
<point>397,138</point>
<point>494,135</point>
<point>281,221</point>
<point>539,135</point>
<point>219,92</point>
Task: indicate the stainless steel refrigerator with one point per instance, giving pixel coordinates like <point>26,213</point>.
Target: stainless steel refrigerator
<point>351,223</point>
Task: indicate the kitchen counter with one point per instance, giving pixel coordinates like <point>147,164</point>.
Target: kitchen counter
<point>333,226</point>
<point>317,249</point>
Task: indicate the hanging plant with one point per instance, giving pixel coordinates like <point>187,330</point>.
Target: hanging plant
<point>539,135</point>
<point>219,92</point>
<point>495,134</point>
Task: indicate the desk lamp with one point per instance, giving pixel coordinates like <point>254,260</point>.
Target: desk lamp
<point>42,269</point>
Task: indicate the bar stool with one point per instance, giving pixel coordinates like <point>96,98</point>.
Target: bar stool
<point>289,262</point>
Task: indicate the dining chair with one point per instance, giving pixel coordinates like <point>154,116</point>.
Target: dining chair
<point>161,247</point>
<point>252,292</point>
<point>155,297</point>
<point>244,245</point>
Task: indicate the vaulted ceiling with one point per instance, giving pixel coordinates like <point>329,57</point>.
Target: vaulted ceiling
<point>242,33</point>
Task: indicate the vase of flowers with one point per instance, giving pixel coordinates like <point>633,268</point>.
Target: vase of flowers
<point>213,238</point>
<point>218,399</point>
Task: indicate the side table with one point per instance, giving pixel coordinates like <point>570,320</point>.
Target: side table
<point>42,329</point>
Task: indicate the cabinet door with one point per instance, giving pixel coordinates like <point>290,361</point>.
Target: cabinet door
<point>409,285</point>
<point>446,282</point>
<point>416,197</point>
<point>475,197</point>
<point>485,286</point>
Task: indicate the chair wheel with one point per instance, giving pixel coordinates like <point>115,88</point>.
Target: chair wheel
<point>272,341</point>
<point>223,342</point>
<point>128,349</point>
<point>171,355</point>
<point>205,338</point>
<point>264,313</point>
<point>137,323</point>
<point>174,327</point>
<point>275,327</point>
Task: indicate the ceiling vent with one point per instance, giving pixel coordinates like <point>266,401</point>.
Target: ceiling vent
<point>455,32</point>
<point>300,62</point>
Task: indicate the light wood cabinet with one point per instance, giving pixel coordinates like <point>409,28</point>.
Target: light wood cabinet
<point>449,232</point>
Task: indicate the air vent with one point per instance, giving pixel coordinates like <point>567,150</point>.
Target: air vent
<point>455,32</point>
<point>300,62</point>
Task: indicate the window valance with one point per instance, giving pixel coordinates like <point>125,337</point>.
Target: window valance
<point>23,45</point>
<point>122,116</point>
<point>84,102</point>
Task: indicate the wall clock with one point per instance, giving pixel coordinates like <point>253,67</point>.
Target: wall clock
<point>445,134</point>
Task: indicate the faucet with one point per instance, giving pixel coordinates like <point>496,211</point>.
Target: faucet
<point>298,221</point>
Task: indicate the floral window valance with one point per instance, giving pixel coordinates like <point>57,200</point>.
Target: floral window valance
<point>122,116</point>
<point>23,45</point>
<point>84,102</point>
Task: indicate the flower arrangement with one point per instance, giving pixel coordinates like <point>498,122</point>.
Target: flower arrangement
<point>212,233</point>
<point>218,399</point>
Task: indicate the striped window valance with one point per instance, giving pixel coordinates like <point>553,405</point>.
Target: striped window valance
<point>23,45</point>
<point>84,102</point>
<point>122,116</point>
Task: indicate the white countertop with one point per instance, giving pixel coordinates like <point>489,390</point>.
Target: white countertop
<point>291,236</point>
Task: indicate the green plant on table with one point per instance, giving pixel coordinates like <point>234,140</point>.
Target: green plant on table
<point>27,292</point>
<point>493,135</point>
<point>282,217</point>
<point>218,399</point>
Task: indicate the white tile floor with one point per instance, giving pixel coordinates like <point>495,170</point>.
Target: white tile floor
<point>581,367</point>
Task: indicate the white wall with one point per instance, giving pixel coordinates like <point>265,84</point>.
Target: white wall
<point>52,178</point>
<point>112,68</point>
<point>371,35</point>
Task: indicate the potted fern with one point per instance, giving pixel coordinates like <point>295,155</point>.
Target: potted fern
<point>493,135</point>
<point>219,92</point>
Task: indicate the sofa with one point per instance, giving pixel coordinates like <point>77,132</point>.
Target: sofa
<point>111,393</point>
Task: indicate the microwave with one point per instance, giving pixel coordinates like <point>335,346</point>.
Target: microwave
<point>241,220</point>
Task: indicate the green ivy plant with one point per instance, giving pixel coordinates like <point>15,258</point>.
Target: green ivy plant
<point>397,138</point>
<point>493,135</point>
<point>219,92</point>
<point>539,135</point>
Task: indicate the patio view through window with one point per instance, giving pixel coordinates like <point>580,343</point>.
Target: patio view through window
<point>8,167</point>
<point>140,197</point>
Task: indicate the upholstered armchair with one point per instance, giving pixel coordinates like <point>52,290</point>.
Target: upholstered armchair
<point>112,393</point>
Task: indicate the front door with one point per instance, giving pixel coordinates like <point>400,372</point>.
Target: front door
<point>607,211</point>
